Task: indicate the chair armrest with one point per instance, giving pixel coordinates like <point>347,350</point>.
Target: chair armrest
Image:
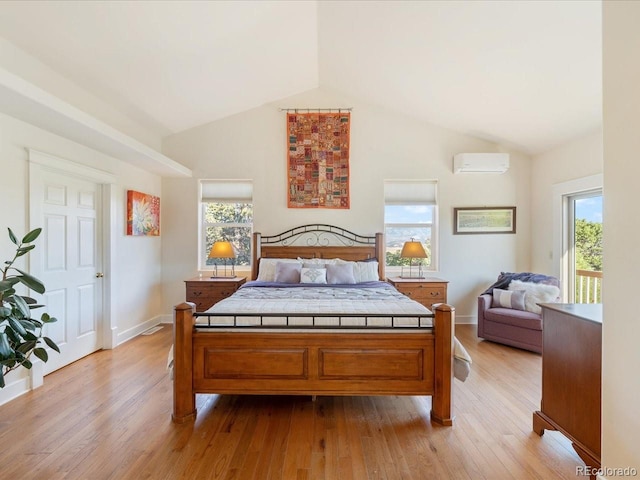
<point>484,303</point>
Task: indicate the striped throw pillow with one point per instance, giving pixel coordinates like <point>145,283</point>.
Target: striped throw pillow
<point>508,299</point>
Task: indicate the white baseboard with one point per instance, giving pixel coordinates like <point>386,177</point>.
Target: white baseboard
<point>137,330</point>
<point>466,320</point>
<point>14,389</point>
<point>166,318</point>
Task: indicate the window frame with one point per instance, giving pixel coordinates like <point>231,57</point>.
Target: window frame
<point>228,197</point>
<point>414,199</point>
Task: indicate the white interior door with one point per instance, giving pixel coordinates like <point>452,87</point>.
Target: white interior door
<point>68,260</point>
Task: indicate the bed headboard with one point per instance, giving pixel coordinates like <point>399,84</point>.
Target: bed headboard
<point>318,241</point>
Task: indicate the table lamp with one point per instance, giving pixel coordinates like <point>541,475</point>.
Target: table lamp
<point>222,250</point>
<point>411,250</point>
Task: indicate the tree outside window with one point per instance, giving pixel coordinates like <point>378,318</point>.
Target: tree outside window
<point>232,222</point>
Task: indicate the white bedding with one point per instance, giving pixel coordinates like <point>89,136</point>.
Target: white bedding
<point>381,299</point>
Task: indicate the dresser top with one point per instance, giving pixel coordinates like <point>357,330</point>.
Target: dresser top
<point>586,311</point>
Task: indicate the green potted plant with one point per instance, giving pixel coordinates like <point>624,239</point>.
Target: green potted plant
<point>20,335</point>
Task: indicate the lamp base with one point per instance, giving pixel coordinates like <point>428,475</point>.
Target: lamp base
<point>224,276</point>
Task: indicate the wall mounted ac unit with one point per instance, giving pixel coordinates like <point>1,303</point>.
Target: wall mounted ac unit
<point>481,163</point>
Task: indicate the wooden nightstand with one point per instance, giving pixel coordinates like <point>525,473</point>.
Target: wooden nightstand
<point>207,291</point>
<point>426,291</point>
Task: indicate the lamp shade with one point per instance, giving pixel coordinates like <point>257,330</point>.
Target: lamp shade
<point>413,249</point>
<point>222,250</point>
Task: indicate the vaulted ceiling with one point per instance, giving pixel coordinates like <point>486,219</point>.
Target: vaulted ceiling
<point>526,74</point>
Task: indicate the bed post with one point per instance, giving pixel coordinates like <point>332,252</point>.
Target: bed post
<point>442,400</point>
<point>184,398</point>
<point>255,255</point>
<point>381,255</point>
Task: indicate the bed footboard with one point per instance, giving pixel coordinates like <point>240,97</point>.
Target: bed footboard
<point>331,362</point>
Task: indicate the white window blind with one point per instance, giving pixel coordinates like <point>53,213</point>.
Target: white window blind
<point>410,192</point>
<point>227,191</point>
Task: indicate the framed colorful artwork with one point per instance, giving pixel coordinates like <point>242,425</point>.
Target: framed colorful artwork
<point>318,160</point>
<point>143,214</point>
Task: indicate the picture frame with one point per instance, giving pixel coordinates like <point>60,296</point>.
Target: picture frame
<point>484,220</point>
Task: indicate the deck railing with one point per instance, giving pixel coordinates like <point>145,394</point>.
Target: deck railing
<point>588,286</point>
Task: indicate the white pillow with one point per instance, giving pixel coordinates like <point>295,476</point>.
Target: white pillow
<point>313,275</point>
<point>363,271</point>
<point>267,268</point>
<point>536,293</point>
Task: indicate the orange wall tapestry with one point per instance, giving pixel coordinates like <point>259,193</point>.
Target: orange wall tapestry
<point>318,159</point>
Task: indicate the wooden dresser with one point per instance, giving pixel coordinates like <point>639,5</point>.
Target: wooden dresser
<point>571,376</point>
<point>426,291</point>
<point>206,291</point>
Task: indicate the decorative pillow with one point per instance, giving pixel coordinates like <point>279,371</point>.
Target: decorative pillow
<point>313,275</point>
<point>536,293</point>
<point>342,273</point>
<point>364,271</point>
<point>267,268</point>
<point>287,272</point>
<point>508,299</point>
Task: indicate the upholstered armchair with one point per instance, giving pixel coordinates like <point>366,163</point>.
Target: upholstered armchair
<point>508,310</point>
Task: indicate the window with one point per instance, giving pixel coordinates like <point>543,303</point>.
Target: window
<point>410,212</point>
<point>227,215</point>
<point>585,247</point>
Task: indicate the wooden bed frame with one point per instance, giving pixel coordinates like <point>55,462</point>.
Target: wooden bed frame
<point>318,361</point>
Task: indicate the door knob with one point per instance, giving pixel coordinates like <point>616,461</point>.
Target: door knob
<point>99,275</point>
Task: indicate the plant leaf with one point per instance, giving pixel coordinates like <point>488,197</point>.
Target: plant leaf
<point>17,327</point>
<point>24,250</point>
<point>12,237</point>
<point>5,312</point>
<point>2,385</point>
<point>8,284</point>
<point>32,235</point>
<point>30,281</point>
<point>26,347</point>
<point>41,353</point>
<point>5,349</point>
<point>51,344</point>
<point>29,324</point>
<point>22,306</point>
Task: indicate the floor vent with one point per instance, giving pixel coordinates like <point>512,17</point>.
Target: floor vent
<point>151,331</point>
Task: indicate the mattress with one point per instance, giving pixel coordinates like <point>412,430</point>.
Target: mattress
<point>362,305</point>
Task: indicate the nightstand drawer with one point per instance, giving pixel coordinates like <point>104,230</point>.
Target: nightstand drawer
<point>424,292</point>
<point>205,292</point>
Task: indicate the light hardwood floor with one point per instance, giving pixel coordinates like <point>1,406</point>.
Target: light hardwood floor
<point>108,417</point>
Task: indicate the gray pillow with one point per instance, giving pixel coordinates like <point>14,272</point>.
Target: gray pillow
<point>341,273</point>
<point>508,299</point>
<point>287,272</point>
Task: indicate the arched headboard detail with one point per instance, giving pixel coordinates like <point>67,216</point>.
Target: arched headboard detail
<point>318,241</point>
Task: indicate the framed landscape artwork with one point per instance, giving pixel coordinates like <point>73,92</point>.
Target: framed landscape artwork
<point>472,220</point>
<point>143,214</point>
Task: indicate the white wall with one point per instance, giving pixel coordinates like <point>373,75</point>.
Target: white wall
<point>579,158</point>
<point>137,273</point>
<point>621,327</point>
<point>384,145</point>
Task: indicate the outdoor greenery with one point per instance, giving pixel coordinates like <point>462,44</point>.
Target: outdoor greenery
<point>20,335</point>
<point>588,245</point>
<point>231,222</point>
